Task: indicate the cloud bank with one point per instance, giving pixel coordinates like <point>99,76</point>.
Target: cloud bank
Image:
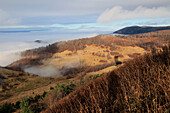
<point>10,51</point>
<point>7,58</point>
<point>117,13</point>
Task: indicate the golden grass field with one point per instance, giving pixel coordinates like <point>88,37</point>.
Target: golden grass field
<point>87,58</point>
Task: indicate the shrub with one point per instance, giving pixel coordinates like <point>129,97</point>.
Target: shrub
<point>134,55</point>
<point>96,76</point>
<point>44,94</point>
<point>24,105</point>
<point>107,50</point>
<point>113,48</point>
<point>103,61</point>
<point>103,55</point>
<point>120,55</point>
<point>66,88</point>
<point>17,104</point>
<point>102,46</point>
<point>7,108</point>
<point>108,56</point>
<point>51,88</point>
<point>114,53</point>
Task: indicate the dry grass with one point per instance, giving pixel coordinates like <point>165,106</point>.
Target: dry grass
<point>20,84</point>
<point>86,58</point>
<point>141,85</point>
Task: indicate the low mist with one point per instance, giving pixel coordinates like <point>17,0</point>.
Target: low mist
<point>7,58</point>
<point>11,51</point>
<point>47,71</point>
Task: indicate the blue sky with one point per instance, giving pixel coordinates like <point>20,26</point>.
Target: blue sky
<point>24,21</point>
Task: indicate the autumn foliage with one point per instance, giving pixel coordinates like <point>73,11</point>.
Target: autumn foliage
<point>140,85</point>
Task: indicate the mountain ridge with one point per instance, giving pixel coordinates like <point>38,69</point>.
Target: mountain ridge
<point>140,29</point>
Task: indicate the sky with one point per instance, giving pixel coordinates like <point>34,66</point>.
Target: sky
<point>24,21</point>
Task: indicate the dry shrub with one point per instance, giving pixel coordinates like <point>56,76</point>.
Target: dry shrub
<point>144,83</point>
<point>102,46</point>
<point>72,72</point>
<point>131,55</point>
<point>107,50</point>
<point>103,61</point>
<point>141,85</point>
<point>134,55</point>
<point>95,97</point>
<point>103,55</point>
<point>120,55</point>
<point>69,54</point>
<point>97,67</point>
<point>112,48</point>
<point>114,53</point>
<point>126,60</point>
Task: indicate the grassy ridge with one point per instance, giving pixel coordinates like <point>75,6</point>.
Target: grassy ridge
<point>141,85</point>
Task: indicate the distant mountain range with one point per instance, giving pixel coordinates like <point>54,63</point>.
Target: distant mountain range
<point>138,29</point>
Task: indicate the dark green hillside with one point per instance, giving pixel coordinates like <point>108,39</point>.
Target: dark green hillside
<point>138,29</point>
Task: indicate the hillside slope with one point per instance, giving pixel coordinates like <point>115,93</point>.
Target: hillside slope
<point>14,85</point>
<point>138,29</point>
<point>87,52</point>
<point>140,85</point>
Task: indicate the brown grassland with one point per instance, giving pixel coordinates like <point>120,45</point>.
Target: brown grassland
<point>140,85</point>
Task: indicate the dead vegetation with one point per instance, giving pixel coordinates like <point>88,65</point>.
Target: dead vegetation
<point>141,85</point>
<point>134,55</point>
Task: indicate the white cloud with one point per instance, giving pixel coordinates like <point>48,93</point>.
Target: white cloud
<point>6,20</point>
<point>92,35</point>
<point>18,46</point>
<point>7,58</point>
<point>38,12</point>
<point>10,51</point>
<point>117,13</point>
<point>47,71</point>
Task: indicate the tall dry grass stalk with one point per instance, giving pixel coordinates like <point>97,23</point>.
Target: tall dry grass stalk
<point>140,85</point>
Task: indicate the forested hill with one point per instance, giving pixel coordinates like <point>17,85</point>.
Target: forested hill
<point>138,29</point>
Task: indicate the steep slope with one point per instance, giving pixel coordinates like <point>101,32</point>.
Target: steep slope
<point>138,29</point>
<point>141,85</point>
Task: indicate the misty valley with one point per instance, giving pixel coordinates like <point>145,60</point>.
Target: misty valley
<point>45,78</point>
